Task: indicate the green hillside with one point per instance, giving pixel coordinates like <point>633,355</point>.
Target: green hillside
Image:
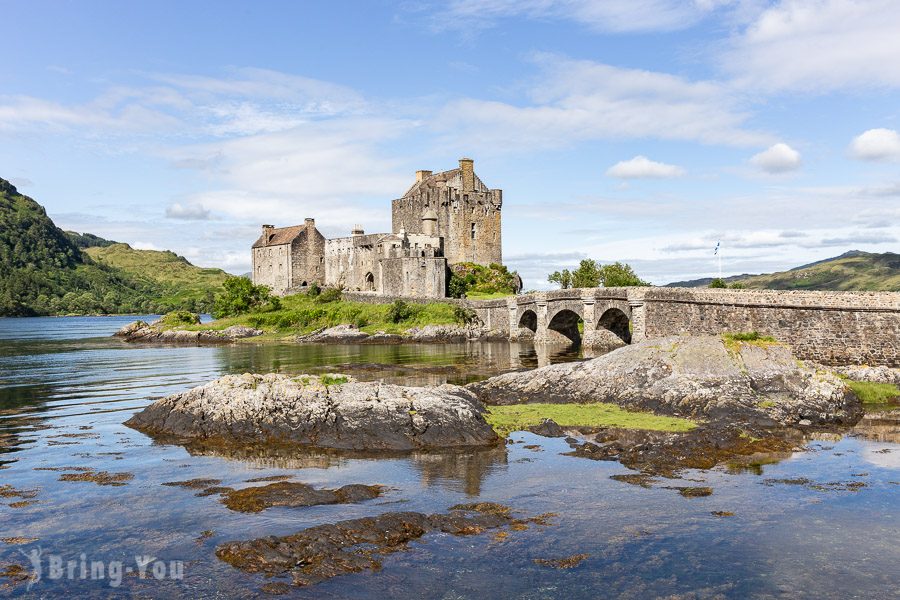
<point>179,282</point>
<point>44,271</point>
<point>854,270</point>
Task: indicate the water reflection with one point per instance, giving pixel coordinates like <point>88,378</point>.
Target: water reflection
<point>66,388</point>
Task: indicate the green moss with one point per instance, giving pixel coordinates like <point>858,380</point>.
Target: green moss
<point>874,393</point>
<point>518,417</point>
<point>333,379</point>
<point>767,404</point>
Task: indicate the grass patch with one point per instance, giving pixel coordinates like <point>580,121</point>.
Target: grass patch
<point>733,340</point>
<point>300,314</point>
<point>874,393</point>
<point>488,295</point>
<point>519,417</point>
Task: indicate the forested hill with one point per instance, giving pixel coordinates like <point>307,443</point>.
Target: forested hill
<point>853,270</point>
<point>45,271</point>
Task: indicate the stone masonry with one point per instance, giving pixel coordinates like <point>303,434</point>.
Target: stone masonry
<point>288,258</point>
<point>467,211</point>
<point>444,218</point>
<point>836,328</point>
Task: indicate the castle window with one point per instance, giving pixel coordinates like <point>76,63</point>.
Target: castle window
<point>473,231</point>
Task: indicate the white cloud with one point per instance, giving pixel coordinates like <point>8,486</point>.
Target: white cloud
<point>187,212</point>
<point>641,167</point>
<point>818,45</point>
<point>779,158</point>
<point>142,245</point>
<point>876,144</point>
<point>599,15</point>
<point>577,100</point>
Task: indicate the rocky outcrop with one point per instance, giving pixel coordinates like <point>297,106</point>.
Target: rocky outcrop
<point>322,412</point>
<point>339,334</point>
<point>141,331</point>
<point>879,374</point>
<point>755,383</point>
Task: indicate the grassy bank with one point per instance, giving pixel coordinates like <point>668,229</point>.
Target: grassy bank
<point>874,393</point>
<point>300,314</point>
<point>519,417</point>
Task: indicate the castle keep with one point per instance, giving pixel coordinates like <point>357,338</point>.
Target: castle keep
<point>444,218</point>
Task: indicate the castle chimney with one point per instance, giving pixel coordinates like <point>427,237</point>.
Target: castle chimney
<point>467,170</point>
<point>420,175</point>
<point>357,230</point>
<point>268,230</point>
<point>310,223</point>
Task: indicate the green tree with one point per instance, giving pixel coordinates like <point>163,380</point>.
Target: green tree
<point>620,275</point>
<point>718,283</point>
<point>587,275</point>
<point>240,296</point>
<point>591,274</point>
<point>562,278</point>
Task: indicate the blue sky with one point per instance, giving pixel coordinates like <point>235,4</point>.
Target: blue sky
<point>634,130</point>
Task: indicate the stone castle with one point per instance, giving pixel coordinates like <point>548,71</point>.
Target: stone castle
<point>444,218</point>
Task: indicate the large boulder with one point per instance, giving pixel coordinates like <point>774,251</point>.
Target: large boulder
<point>758,383</point>
<point>323,412</point>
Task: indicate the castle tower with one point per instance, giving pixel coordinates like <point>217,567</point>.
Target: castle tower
<point>468,213</point>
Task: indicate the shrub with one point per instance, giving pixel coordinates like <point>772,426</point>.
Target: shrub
<point>180,317</point>
<point>399,311</point>
<point>313,290</point>
<point>718,283</point>
<point>329,295</point>
<point>457,286</point>
<point>464,316</point>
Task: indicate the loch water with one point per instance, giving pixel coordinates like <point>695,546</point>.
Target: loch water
<point>66,387</point>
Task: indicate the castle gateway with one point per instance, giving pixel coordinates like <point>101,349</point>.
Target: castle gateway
<point>444,218</point>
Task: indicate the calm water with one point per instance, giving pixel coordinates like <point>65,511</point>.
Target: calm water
<point>66,388</point>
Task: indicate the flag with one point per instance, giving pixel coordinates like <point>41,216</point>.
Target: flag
<point>716,251</point>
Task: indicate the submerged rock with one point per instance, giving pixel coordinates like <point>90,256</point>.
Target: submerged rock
<point>759,384</point>
<point>141,331</point>
<point>294,495</point>
<point>320,553</point>
<point>322,412</point>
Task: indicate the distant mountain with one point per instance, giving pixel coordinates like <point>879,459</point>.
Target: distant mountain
<point>853,270</point>
<point>46,271</point>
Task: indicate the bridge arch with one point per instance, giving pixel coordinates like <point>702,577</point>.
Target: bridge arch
<point>566,322</point>
<point>528,320</point>
<point>616,321</point>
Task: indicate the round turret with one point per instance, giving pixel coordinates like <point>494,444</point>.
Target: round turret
<point>429,222</point>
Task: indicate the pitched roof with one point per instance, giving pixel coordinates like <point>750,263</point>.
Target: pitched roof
<point>452,178</point>
<point>280,235</point>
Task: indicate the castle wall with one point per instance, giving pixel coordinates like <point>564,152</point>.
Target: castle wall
<point>417,276</point>
<point>272,267</point>
<point>349,260</point>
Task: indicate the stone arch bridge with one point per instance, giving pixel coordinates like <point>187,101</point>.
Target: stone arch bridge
<point>831,327</point>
